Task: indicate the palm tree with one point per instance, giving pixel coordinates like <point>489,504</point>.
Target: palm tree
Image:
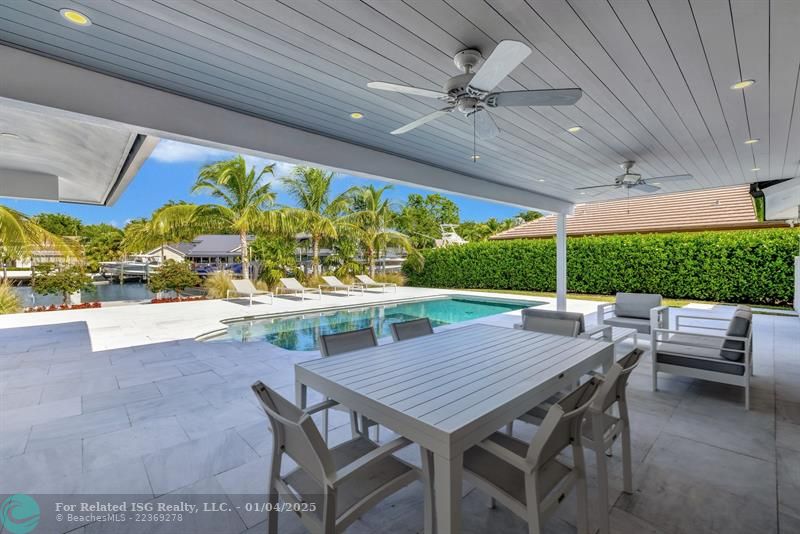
<point>371,222</point>
<point>244,198</point>
<point>317,213</point>
<point>171,223</point>
<point>20,236</point>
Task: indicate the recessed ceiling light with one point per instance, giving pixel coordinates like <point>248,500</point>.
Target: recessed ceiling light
<point>754,169</point>
<point>475,157</point>
<point>574,129</point>
<point>9,135</point>
<point>655,183</point>
<point>742,84</point>
<point>75,17</point>
<point>540,180</point>
<point>582,193</point>
<point>356,115</point>
<point>751,141</point>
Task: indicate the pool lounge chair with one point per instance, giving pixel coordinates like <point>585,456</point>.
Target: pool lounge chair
<point>293,287</point>
<point>331,282</point>
<point>366,282</point>
<point>246,287</point>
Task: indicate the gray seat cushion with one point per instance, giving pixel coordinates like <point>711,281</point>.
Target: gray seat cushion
<point>721,366</point>
<point>498,472</point>
<point>641,325</point>
<point>676,353</point>
<point>637,305</point>
<point>553,314</point>
<point>738,327</point>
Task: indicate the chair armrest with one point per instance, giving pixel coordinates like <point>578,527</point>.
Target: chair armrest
<point>371,457</point>
<point>604,329</point>
<point>324,405</point>
<point>505,454</point>
<point>602,309</point>
<point>678,324</point>
<point>659,316</point>
<point>745,351</point>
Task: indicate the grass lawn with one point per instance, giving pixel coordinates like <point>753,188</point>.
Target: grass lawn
<point>677,303</point>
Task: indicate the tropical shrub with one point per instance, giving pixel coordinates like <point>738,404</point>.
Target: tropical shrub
<point>9,300</point>
<point>64,280</point>
<point>390,278</point>
<point>217,285</point>
<point>753,266</point>
<point>174,276</point>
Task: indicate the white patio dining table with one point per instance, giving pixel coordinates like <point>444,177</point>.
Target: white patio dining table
<point>450,390</point>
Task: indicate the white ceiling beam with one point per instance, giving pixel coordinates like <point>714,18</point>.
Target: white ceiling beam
<point>15,183</point>
<point>60,86</point>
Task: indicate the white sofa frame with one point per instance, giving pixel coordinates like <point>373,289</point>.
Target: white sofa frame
<point>659,316</point>
<point>661,335</point>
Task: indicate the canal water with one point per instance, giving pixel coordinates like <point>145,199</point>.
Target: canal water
<point>103,292</point>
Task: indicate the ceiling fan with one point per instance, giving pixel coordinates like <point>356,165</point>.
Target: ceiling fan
<point>471,92</point>
<point>631,180</point>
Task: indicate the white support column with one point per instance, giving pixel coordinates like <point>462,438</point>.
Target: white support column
<point>561,261</point>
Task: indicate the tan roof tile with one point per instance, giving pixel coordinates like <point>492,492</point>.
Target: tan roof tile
<point>711,209</point>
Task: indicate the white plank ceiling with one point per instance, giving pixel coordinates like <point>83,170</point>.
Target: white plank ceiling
<point>655,75</point>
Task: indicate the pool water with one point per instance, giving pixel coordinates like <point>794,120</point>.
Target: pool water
<point>302,332</point>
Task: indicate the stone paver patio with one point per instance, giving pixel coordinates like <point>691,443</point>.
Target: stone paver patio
<point>123,400</point>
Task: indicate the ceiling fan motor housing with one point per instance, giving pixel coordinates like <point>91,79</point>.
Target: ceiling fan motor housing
<point>467,60</point>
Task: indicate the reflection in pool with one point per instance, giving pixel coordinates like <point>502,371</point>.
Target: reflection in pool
<point>301,332</point>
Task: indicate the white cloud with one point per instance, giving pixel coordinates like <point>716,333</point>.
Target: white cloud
<point>169,151</point>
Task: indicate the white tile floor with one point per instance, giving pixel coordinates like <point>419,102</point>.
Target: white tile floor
<point>123,400</point>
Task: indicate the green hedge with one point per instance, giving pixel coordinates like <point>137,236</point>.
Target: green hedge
<point>743,266</point>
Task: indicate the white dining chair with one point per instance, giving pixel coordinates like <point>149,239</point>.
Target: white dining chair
<point>330,488</point>
<point>411,329</point>
<point>341,343</point>
<point>529,478</point>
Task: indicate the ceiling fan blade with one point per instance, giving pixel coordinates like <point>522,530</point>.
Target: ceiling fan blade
<point>596,186</point>
<point>422,120</point>
<point>646,188</point>
<point>386,86</point>
<point>504,58</point>
<point>485,127</point>
<point>675,177</point>
<point>540,97</point>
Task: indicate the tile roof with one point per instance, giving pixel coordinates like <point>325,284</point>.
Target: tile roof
<point>711,209</point>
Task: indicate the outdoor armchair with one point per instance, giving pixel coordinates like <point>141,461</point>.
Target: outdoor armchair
<point>292,286</point>
<point>330,488</point>
<point>720,353</point>
<point>642,311</point>
<point>331,282</point>
<point>366,281</point>
<point>246,287</point>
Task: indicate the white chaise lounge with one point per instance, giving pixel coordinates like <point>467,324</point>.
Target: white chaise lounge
<point>293,287</point>
<point>246,288</point>
<point>367,282</point>
<point>333,283</point>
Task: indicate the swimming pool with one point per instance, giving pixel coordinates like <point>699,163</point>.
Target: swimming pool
<point>300,332</point>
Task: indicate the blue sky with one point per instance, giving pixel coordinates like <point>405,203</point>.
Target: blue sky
<point>172,168</point>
